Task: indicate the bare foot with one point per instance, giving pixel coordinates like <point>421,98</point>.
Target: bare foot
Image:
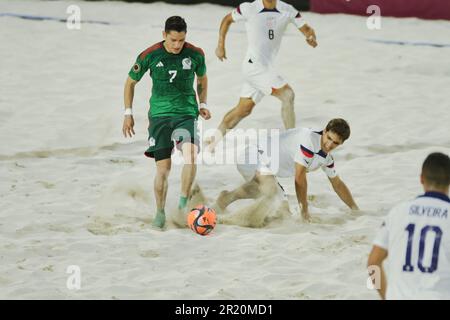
<point>197,197</point>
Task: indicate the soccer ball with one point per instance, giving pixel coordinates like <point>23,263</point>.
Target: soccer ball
<point>202,219</point>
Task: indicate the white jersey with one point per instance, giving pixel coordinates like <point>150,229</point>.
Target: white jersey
<point>416,235</point>
<point>265,28</point>
<point>279,156</point>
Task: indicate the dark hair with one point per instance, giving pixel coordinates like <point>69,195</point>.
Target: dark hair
<point>436,170</point>
<point>175,23</point>
<point>340,127</point>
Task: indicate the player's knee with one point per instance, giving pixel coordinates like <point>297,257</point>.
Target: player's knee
<point>163,172</point>
<point>190,159</point>
<point>268,188</point>
<point>189,153</point>
<point>245,109</point>
<point>289,96</point>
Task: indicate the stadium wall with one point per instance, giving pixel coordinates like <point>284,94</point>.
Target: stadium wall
<point>426,9</point>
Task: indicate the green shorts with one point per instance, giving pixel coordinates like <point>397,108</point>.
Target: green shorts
<point>163,131</point>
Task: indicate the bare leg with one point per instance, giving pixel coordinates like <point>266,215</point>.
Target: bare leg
<point>161,182</point>
<point>189,151</point>
<point>256,215</point>
<point>260,185</point>
<point>287,96</point>
<point>230,120</point>
<point>249,190</point>
<point>160,186</point>
<point>188,172</point>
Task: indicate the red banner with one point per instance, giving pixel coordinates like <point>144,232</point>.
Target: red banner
<point>426,9</point>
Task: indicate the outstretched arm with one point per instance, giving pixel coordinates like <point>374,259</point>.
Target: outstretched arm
<point>128,121</point>
<point>301,189</point>
<point>224,26</point>
<point>343,192</point>
<point>309,34</point>
<point>376,272</point>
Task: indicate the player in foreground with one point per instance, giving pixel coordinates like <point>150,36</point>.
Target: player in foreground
<point>300,150</point>
<point>173,65</point>
<point>415,236</point>
<point>265,22</point>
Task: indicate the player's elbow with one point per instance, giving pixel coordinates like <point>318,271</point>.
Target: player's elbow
<point>202,79</point>
<point>228,19</point>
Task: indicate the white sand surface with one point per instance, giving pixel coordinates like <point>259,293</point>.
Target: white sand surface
<point>73,191</point>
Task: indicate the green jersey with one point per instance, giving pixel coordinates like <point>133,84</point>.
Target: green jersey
<point>173,77</point>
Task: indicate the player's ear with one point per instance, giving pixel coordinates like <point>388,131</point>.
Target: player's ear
<point>421,179</point>
<point>164,34</point>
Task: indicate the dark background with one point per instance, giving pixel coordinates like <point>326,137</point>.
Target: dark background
<point>298,4</point>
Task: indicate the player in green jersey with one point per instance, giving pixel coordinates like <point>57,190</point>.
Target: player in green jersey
<point>173,65</point>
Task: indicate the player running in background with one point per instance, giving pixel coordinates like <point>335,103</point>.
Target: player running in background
<point>300,151</point>
<point>415,237</point>
<point>265,22</point>
<point>173,65</point>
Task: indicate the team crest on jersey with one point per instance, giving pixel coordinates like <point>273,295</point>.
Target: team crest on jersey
<point>136,67</point>
<point>186,63</point>
<point>151,142</point>
<point>271,22</point>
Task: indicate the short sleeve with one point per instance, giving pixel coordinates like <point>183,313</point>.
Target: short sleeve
<point>296,17</point>
<point>304,156</point>
<point>139,68</point>
<point>200,71</point>
<point>329,168</point>
<point>241,12</point>
<point>382,238</point>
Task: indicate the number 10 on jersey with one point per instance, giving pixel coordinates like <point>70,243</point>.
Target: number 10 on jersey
<point>408,267</point>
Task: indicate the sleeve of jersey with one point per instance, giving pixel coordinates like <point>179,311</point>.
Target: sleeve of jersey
<point>330,169</point>
<point>382,238</point>
<point>201,66</point>
<point>139,68</point>
<point>241,12</point>
<point>304,156</point>
<point>296,18</point>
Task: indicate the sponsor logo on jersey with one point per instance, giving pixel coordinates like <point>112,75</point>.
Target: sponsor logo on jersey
<point>186,63</point>
<point>159,64</point>
<point>151,142</point>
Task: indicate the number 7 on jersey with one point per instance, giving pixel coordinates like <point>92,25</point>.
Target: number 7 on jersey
<point>173,73</point>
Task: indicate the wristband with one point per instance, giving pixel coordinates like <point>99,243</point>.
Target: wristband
<point>203,105</point>
<point>128,112</point>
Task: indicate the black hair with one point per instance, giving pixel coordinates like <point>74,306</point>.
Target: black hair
<point>175,23</point>
<point>340,127</point>
<point>436,170</point>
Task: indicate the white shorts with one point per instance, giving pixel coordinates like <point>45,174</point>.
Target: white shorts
<point>250,161</point>
<point>259,81</point>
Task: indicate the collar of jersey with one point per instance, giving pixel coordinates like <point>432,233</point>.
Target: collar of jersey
<point>174,54</point>
<point>437,195</point>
